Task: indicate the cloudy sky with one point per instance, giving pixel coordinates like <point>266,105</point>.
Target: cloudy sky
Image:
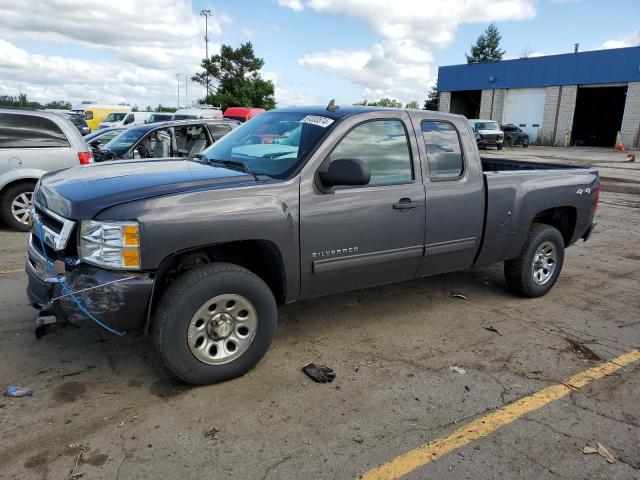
<point>130,51</point>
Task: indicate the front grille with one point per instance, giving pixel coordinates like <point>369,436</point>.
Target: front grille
<point>54,229</point>
<point>48,221</point>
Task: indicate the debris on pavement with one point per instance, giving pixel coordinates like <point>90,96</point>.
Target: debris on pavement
<point>79,459</point>
<point>492,329</point>
<point>600,450</point>
<point>582,351</point>
<point>459,295</point>
<point>458,369</point>
<point>212,433</point>
<point>17,391</point>
<point>319,374</point>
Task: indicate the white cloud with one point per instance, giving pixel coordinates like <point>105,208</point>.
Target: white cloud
<point>139,47</point>
<point>401,64</point>
<point>248,32</point>
<point>292,4</point>
<point>630,40</point>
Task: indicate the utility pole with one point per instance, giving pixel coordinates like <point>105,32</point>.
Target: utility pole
<point>206,13</point>
<point>178,78</point>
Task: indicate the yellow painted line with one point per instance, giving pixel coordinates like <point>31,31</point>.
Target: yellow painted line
<point>491,422</point>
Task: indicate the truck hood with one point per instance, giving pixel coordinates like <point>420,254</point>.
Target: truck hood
<point>84,191</point>
<point>490,132</point>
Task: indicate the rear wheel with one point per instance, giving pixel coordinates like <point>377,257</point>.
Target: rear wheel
<point>499,146</point>
<point>16,204</point>
<point>215,323</point>
<point>535,271</point>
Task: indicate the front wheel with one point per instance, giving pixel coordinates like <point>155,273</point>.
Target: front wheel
<point>215,323</point>
<point>535,271</point>
<point>499,147</point>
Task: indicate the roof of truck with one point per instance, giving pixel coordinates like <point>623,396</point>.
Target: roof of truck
<point>339,112</point>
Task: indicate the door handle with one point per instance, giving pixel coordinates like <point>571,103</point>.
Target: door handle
<point>405,204</point>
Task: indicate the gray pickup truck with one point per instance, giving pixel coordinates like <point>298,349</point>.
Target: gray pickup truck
<point>294,204</point>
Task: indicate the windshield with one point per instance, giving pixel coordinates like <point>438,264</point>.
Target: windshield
<point>184,117</point>
<point>115,116</point>
<point>487,126</point>
<point>273,144</point>
<point>122,143</point>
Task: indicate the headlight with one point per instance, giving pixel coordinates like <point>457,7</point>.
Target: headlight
<point>110,244</point>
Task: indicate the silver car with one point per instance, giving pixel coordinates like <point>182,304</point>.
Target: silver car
<point>33,143</point>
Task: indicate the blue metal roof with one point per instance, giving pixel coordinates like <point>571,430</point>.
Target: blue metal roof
<point>598,66</point>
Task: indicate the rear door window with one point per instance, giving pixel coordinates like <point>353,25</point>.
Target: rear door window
<point>444,154</point>
<point>30,131</point>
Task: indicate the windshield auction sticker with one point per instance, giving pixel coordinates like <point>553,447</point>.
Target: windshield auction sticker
<point>323,122</point>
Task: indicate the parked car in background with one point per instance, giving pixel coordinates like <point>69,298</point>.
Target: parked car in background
<point>514,135</point>
<point>159,117</point>
<point>80,122</point>
<point>103,136</point>
<point>33,143</point>
<point>202,111</point>
<point>179,138</point>
<point>242,114</point>
<point>96,113</point>
<point>488,133</point>
<point>128,120</point>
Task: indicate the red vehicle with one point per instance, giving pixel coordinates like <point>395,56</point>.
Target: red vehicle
<point>242,114</point>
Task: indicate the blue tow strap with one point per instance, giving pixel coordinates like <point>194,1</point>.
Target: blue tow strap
<point>65,288</point>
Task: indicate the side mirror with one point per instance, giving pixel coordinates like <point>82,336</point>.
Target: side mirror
<point>346,171</point>
<point>94,143</point>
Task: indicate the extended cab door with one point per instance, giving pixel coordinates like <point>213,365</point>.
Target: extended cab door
<point>455,192</point>
<point>355,237</point>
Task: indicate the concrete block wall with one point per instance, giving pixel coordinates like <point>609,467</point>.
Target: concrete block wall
<point>445,102</point>
<point>492,104</point>
<point>566,109</point>
<point>549,115</point>
<point>485,104</point>
<point>631,117</point>
<point>499,101</point>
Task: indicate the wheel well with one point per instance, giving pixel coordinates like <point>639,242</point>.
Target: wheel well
<point>562,218</point>
<point>261,257</point>
<point>17,182</point>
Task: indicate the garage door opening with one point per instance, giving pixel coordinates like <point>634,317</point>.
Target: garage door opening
<point>598,115</point>
<point>466,102</point>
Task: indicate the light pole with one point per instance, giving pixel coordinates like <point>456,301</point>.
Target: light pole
<point>178,78</point>
<point>206,13</point>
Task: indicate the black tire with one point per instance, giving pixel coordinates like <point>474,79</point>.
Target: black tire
<point>499,147</point>
<point>186,295</point>
<point>7,199</point>
<point>525,145</point>
<point>519,273</point>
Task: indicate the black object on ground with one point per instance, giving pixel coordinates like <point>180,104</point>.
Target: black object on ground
<point>320,373</point>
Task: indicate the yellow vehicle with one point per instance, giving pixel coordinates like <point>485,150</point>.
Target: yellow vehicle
<point>96,114</point>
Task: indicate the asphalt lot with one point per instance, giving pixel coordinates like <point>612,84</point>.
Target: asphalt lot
<point>392,348</point>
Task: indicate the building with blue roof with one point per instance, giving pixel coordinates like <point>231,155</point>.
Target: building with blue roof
<point>585,98</point>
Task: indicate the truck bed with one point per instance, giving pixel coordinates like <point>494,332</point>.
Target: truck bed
<point>517,191</point>
<point>501,165</point>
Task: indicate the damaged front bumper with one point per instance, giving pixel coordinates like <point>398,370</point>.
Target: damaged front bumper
<point>117,299</point>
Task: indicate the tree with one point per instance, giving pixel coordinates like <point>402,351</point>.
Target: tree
<point>237,73</point>
<point>412,104</point>
<point>58,105</point>
<point>487,47</point>
<point>162,108</point>
<point>433,100</point>
<point>383,102</point>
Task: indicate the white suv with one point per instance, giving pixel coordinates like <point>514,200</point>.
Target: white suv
<point>33,143</point>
